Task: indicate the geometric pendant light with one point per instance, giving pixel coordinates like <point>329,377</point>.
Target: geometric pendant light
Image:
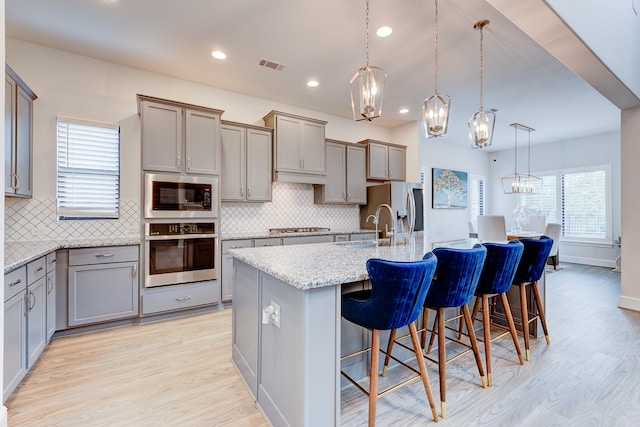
<point>367,85</point>
<point>516,182</point>
<point>481,123</point>
<point>435,110</point>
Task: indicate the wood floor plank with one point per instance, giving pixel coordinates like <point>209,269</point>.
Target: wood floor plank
<point>179,373</point>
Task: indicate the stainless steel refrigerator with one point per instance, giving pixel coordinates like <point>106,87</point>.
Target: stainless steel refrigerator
<point>406,200</point>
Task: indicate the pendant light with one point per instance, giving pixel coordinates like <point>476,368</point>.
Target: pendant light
<point>435,110</point>
<point>481,123</point>
<point>367,85</point>
<point>516,182</point>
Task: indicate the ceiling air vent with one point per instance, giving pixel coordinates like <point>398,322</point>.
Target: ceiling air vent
<point>270,64</point>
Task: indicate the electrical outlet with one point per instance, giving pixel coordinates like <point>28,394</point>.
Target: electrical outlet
<point>275,316</point>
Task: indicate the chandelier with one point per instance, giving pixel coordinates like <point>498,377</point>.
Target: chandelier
<point>517,183</point>
<point>435,110</point>
<point>367,85</point>
<point>481,123</point>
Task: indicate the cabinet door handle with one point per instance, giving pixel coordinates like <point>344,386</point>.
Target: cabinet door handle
<point>135,271</point>
<point>188,164</point>
<point>39,269</point>
<point>49,285</point>
<point>178,161</point>
<point>248,192</point>
<point>31,294</point>
<point>17,282</point>
<point>241,192</point>
<point>105,255</point>
<point>185,298</point>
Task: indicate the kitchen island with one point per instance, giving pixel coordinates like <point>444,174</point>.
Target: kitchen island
<point>288,334</point>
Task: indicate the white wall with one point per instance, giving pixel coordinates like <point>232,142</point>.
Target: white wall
<point>588,151</point>
<point>448,224</point>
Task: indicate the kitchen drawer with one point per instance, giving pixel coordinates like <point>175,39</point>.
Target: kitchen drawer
<point>179,297</point>
<point>51,262</point>
<point>235,244</point>
<point>272,241</point>
<point>103,255</point>
<point>363,236</point>
<point>15,282</point>
<point>302,240</point>
<point>36,270</point>
<point>341,238</point>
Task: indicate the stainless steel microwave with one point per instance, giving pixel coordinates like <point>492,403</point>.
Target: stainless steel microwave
<point>180,196</point>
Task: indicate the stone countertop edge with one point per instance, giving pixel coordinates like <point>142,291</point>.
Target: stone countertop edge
<point>19,253</point>
<point>267,235</point>
<point>323,264</point>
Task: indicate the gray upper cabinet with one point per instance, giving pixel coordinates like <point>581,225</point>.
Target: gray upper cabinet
<point>18,112</point>
<point>346,182</point>
<point>179,137</point>
<point>246,163</point>
<point>299,148</point>
<point>385,162</point>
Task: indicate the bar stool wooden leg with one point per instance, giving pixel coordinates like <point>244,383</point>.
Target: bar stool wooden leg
<point>474,344</point>
<point>525,319</point>
<point>536,295</point>
<point>423,370</point>
<point>392,337</point>
<point>436,321</point>
<point>486,327</point>
<point>512,326</point>
<point>373,376</point>
<point>425,321</point>
<point>442,362</point>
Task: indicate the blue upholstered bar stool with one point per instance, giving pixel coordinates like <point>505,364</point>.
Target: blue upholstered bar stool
<point>530,269</point>
<point>454,284</point>
<point>495,280</point>
<point>395,299</point>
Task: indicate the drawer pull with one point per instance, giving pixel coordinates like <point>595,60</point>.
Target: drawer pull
<point>107,255</point>
<point>17,282</point>
<point>185,298</point>
<point>39,269</point>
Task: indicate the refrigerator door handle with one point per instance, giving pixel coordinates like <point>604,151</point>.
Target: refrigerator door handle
<point>412,210</point>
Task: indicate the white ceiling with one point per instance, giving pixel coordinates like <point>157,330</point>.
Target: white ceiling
<point>325,40</point>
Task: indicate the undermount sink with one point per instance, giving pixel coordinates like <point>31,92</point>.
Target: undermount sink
<point>357,244</point>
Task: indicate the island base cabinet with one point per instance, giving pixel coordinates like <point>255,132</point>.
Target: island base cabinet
<point>297,360</point>
<point>100,293</point>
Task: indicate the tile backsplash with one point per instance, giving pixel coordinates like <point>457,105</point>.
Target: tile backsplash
<point>291,206</point>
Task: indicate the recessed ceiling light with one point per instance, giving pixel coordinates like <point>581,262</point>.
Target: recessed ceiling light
<point>312,83</point>
<point>403,111</point>
<point>384,31</point>
<point>218,54</point>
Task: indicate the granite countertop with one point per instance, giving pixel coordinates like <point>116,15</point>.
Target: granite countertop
<point>326,264</point>
<point>17,254</point>
<point>266,234</point>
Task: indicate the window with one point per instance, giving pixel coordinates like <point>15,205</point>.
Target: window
<point>578,200</point>
<point>476,197</point>
<point>88,184</point>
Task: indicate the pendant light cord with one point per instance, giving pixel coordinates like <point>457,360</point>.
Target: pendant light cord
<point>366,34</point>
<point>435,83</point>
<point>481,65</point>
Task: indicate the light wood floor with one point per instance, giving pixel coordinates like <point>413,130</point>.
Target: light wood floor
<point>178,373</point>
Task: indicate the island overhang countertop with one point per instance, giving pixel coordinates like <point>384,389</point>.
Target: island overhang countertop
<point>327,264</point>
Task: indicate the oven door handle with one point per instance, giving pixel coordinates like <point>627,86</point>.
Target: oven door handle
<point>181,237</point>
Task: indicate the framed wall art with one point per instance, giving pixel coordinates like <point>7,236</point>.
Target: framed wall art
<point>449,189</point>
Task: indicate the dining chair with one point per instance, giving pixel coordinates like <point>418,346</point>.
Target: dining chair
<point>492,228</point>
<point>530,269</point>
<point>396,297</point>
<point>495,280</point>
<point>553,230</point>
<point>535,223</point>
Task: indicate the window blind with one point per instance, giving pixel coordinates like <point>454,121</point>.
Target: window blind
<point>545,200</point>
<point>476,198</point>
<point>584,205</point>
<point>88,158</point>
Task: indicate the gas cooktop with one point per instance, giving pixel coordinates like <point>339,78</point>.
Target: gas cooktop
<point>297,230</point>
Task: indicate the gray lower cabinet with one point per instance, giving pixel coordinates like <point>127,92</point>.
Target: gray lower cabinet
<point>103,284</point>
<point>25,321</point>
<point>227,265</point>
<point>51,295</point>
<point>303,240</point>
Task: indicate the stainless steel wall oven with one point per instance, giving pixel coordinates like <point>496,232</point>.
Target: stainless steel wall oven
<point>180,252</point>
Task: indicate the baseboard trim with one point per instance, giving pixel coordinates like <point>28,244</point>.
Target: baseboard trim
<point>629,303</point>
<point>587,261</point>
